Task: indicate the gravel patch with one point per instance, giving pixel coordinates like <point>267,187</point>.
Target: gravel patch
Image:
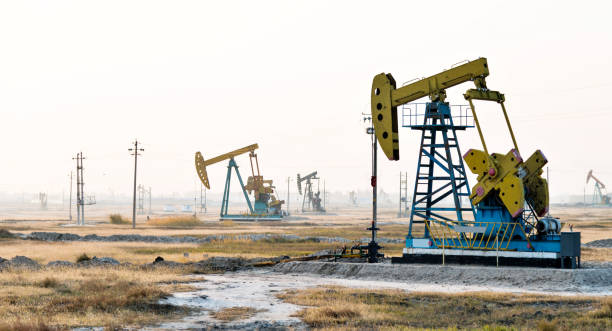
<point>99,261</point>
<point>60,263</point>
<point>596,279</point>
<point>603,243</point>
<point>55,236</point>
<point>18,262</point>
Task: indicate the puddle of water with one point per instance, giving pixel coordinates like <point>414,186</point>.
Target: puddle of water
<point>258,289</point>
<point>254,289</point>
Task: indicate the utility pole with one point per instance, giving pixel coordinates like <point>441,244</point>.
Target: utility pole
<point>135,151</point>
<point>142,196</point>
<point>70,199</point>
<point>548,184</point>
<point>403,196</point>
<point>324,195</point>
<point>80,200</point>
<point>150,209</point>
<point>82,193</point>
<point>399,213</point>
<point>203,203</point>
<point>288,194</point>
<point>373,246</point>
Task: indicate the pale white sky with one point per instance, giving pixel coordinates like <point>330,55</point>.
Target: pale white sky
<point>293,76</point>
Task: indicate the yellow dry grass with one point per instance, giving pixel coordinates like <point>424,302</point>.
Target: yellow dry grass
<point>235,313</point>
<point>243,248</point>
<point>594,223</point>
<point>339,308</point>
<point>71,297</point>
<point>175,221</point>
<point>44,252</point>
<point>596,254</point>
<point>349,224</point>
<point>139,252</point>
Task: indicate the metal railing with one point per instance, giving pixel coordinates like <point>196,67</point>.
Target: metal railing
<point>473,235</point>
<point>413,115</point>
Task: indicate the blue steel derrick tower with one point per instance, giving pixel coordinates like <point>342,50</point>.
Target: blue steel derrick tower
<point>440,175</point>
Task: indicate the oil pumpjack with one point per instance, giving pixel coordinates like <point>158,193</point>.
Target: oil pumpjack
<point>600,195</point>
<point>506,218</point>
<point>265,206</point>
<point>311,201</point>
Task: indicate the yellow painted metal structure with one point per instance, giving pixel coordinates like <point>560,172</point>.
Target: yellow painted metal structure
<point>201,164</point>
<point>262,189</point>
<point>507,174</point>
<point>497,239</point>
<point>509,177</point>
<point>385,98</point>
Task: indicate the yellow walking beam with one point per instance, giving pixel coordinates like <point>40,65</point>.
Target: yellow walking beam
<point>386,98</point>
<point>201,163</point>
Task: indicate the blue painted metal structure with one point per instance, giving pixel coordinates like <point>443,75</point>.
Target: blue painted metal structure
<point>439,150</point>
<point>259,212</point>
<point>441,176</point>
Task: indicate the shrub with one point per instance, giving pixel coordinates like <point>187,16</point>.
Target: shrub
<point>82,258</point>
<point>49,282</point>
<point>6,234</point>
<point>118,219</point>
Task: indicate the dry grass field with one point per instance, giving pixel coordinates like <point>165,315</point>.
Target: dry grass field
<point>594,223</point>
<point>71,297</point>
<point>339,308</point>
<point>351,226</point>
<point>127,295</point>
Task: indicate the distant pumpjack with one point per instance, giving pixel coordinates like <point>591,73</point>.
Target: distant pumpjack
<point>265,206</point>
<point>600,195</point>
<point>311,201</point>
<point>353,198</point>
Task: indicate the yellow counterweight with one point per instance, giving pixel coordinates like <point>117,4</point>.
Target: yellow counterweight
<point>513,180</point>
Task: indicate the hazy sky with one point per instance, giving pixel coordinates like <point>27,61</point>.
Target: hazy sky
<point>292,76</point>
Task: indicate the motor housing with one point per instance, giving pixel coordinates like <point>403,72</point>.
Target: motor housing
<point>548,225</point>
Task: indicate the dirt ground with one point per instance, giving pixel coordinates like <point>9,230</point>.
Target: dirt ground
<point>593,223</point>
